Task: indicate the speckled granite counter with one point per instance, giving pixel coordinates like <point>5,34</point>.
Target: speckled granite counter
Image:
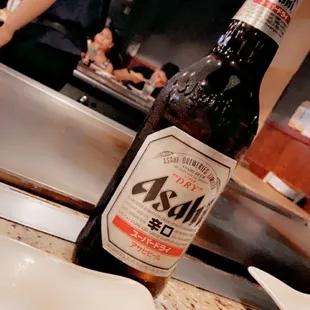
<point>177,295</point>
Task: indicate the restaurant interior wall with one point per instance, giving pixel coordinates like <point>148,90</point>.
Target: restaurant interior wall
<point>185,30</point>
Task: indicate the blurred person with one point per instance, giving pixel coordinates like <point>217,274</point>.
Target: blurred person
<point>111,49</point>
<point>44,39</point>
<point>98,51</point>
<point>137,76</point>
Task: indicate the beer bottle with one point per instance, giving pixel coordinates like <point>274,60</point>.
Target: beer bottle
<point>200,126</point>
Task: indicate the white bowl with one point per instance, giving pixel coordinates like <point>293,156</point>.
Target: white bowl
<point>284,296</point>
<point>34,280</point>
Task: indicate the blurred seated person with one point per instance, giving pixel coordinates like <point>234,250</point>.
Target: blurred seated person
<point>44,39</point>
<point>138,75</point>
<point>98,51</point>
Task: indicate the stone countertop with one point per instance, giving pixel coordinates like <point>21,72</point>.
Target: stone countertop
<point>176,296</point>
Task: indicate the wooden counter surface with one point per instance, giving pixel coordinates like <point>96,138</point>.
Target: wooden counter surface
<point>250,181</point>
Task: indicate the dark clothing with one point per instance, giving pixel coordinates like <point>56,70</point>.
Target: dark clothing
<point>50,56</point>
<point>41,62</point>
<point>147,73</point>
<point>84,17</point>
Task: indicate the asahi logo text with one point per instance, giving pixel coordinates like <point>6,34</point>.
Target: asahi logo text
<point>290,4</point>
<point>191,212</point>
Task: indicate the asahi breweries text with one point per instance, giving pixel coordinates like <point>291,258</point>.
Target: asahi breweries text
<point>189,212</point>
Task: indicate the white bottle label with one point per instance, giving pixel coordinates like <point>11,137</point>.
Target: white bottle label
<point>270,16</point>
<point>162,201</point>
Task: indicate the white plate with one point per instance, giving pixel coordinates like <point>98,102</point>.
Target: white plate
<point>105,74</point>
<point>34,280</point>
<point>139,93</point>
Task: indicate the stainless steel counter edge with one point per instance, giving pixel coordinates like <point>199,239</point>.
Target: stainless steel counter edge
<point>18,207</point>
<point>68,101</point>
<point>48,138</point>
<point>41,215</point>
<point>110,91</point>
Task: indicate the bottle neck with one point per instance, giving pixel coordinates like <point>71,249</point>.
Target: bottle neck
<point>246,48</point>
<point>254,35</point>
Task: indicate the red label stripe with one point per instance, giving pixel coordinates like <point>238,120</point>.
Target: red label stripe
<point>147,240</point>
<point>275,9</point>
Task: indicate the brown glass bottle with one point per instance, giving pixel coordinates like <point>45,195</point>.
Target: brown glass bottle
<point>215,101</point>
